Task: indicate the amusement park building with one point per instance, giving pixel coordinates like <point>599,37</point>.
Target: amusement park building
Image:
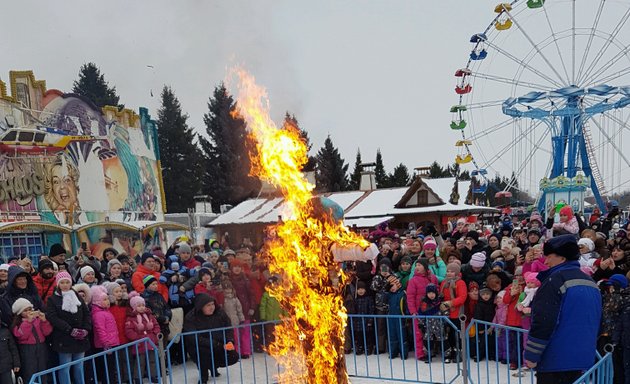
<point>435,200</point>
<point>73,173</point>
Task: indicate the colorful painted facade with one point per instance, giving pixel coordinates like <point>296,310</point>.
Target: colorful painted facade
<point>73,173</point>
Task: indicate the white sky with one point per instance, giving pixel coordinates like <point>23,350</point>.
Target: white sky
<point>372,74</point>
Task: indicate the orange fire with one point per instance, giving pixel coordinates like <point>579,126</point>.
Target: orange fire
<point>309,341</point>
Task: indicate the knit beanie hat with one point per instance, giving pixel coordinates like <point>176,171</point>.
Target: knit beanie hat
<point>99,294</point>
<point>63,275</point>
<point>145,257</point>
<point>361,285</point>
<point>135,300</point>
<point>183,248</point>
<point>567,211</point>
<point>110,286</point>
<point>619,279</point>
<point>111,263</point>
<point>474,235</point>
<point>236,263</point>
<point>204,271</point>
<point>56,249</point>
<point>405,260</point>
<point>4,267</point>
<point>588,243</point>
<point>20,305</point>
<point>563,245</point>
<point>454,267</point>
<point>85,270</point>
<point>531,277</point>
<point>432,288</point>
<point>147,280</point>
<point>430,244</point>
<point>499,264</point>
<point>478,260</point>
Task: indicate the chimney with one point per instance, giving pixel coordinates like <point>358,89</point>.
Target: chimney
<point>368,177</point>
<point>422,172</point>
<point>310,177</point>
<point>203,204</point>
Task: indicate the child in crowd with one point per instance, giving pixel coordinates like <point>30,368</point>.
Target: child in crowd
<point>363,326</point>
<point>513,319</point>
<point>243,290</point>
<point>567,225</point>
<point>72,324</point>
<point>415,294</point>
<point>30,329</point>
<point>432,328</point>
<point>141,323</point>
<point>397,335</point>
<point>453,290</point>
<point>233,308</point>
<point>156,303</point>
<point>105,332</point>
<point>270,310</point>
<point>380,289</point>
<point>484,311</point>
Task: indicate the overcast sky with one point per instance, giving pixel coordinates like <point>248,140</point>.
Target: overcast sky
<point>371,74</point>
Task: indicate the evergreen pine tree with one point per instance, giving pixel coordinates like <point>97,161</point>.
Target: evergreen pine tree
<point>379,171</point>
<point>355,178</point>
<point>179,154</point>
<point>92,85</point>
<point>436,171</point>
<point>399,177</point>
<point>226,153</point>
<point>331,170</point>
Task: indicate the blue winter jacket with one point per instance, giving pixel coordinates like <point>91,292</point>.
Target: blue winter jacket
<point>566,314</point>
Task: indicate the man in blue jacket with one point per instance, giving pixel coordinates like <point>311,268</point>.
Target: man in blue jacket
<point>566,313</point>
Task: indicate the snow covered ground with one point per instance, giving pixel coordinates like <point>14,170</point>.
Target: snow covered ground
<point>261,369</point>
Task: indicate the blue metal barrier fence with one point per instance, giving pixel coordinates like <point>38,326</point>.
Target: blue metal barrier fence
<point>126,363</point>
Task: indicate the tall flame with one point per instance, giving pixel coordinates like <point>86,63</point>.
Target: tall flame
<point>309,341</point>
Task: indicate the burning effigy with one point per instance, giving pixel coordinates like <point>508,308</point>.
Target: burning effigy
<point>309,342</point>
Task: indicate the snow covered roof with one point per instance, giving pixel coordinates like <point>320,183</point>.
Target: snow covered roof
<point>361,207</point>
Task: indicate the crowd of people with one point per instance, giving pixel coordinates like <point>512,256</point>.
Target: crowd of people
<point>82,304</point>
<point>78,305</point>
<point>489,273</point>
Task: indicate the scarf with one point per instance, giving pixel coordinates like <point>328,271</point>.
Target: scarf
<point>451,283</point>
<point>529,296</point>
<point>70,302</point>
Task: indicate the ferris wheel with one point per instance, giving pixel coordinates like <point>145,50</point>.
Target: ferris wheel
<point>545,94</point>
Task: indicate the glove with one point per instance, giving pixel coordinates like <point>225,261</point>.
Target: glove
<point>229,346</point>
<point>149,326</point>
<point>140,327</point>
<point>79,333</point>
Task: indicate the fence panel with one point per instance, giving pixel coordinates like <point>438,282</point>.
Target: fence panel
<point>126,363</point>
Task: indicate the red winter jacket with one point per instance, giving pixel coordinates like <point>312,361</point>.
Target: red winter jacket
<point>104,327</point>
<point>457,302</point>
<point>138,285</point>
<point>45,287</point>
<point>416,290</point>
<point>24,332</point>
<point>120,316</point>
<point>140,326</point>
<point>514,317</point>
<point>218,295</point>
<point>243,290</point>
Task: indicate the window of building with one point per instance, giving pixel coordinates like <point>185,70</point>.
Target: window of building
<point>23,95</point>
<point>21,244</point>
<point>423,197</point>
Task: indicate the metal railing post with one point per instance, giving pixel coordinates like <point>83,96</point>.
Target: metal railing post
<point>162,362</point>
<point>463,336</point>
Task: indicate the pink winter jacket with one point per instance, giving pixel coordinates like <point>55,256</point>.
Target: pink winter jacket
<point>140,326</point>
<point>105,329</point>
<point>570,226</point>
<point>24,332</point>
<point>537,265</point>
<point>416,290</point>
